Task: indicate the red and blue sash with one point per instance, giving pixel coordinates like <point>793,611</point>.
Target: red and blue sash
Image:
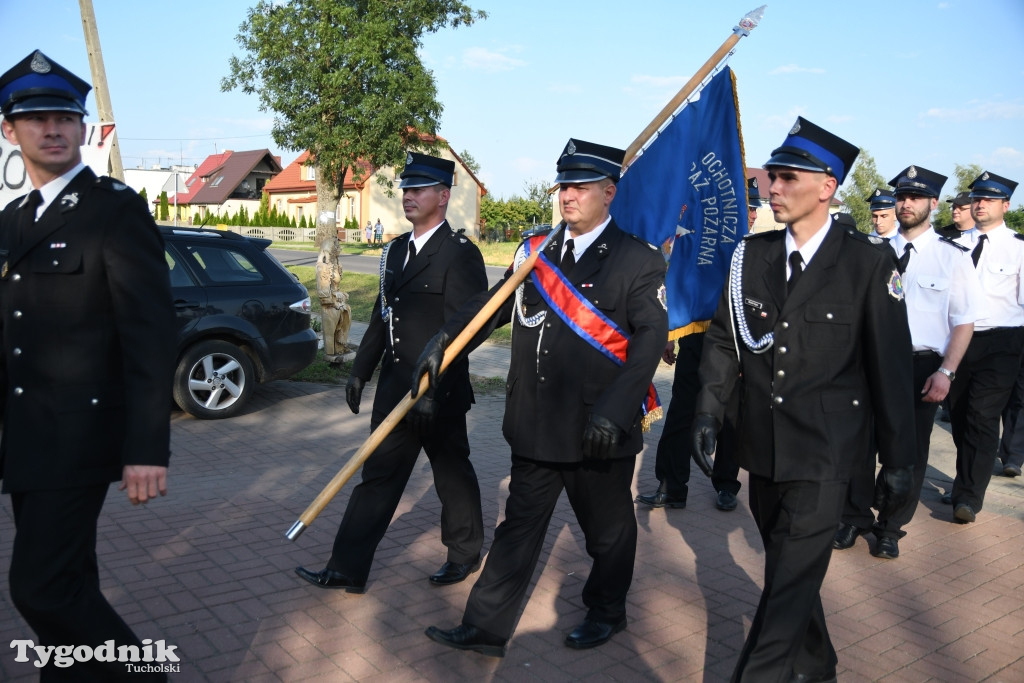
<point>586,320</point>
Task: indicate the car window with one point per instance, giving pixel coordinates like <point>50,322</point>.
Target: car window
<point>223,265</point>
<point>179,275</point>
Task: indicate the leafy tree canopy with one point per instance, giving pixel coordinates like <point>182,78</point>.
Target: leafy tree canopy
<point>344,79</point>
<point>863,180</point>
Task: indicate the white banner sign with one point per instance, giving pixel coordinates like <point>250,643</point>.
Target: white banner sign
<point>13,180</point>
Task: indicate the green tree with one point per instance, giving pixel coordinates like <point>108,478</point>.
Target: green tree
<point>471,163</point>
<point>345,81</point>
<point>165,213</point>
<point>861,183</point>
<point>537,192</point>
<point>145,197</point>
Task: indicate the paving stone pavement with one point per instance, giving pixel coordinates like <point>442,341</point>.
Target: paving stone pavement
<point>208,569</point>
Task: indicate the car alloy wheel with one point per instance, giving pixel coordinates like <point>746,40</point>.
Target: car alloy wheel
<point>214,379</point>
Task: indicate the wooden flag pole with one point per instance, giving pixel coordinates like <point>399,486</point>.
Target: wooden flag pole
<point>746,24</point>
<point>395,416</point>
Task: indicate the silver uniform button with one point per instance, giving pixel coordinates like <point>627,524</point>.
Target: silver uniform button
<point>16,277</point>
<point>778,400</point>
<point>17,314</point>
<point>780,373</point>
<point>397,340</point>
<point>829,316</point>
<point>541,379</point>
<point>856,403</point>
<point>56,262</point>
<point>785,325</point>
<point>95,401</point>
<point>783,349</point>
<point>18,391</point>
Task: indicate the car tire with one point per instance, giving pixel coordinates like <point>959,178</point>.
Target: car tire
<point>214,380</point>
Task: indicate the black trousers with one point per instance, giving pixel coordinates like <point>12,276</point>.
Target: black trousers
<point>54,580</point>
<point>797,521</point>
<point>1011,444</point>
<point>983,385</point>
<point>672,463</point>
<point>861,493</point>
<point>385,475</point>
<point>599,492</point>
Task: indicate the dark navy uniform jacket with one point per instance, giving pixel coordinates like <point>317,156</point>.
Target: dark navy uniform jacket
<point>841,355</point>
<point>87,331</point>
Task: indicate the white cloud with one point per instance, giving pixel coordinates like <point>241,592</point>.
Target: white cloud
<point>795,69</point>
<point>1005,157</point>
<point>977,111</point>
<point>489,60</point>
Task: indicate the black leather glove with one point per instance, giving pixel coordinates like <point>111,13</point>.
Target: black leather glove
<point>429,362</point>
<point>421,416</point>
<point>704,432</point>
<point>600,438</point>
<point>354,392</point>
<point>892,489</point>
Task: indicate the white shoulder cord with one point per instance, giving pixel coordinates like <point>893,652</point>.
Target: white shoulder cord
<point>736,316</point>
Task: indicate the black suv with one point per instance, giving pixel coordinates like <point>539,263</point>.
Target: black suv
<point>242,319</point>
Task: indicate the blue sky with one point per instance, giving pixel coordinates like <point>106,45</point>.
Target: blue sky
<point>928,82</point>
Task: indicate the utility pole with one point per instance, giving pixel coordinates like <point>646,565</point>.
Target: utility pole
<point>99,80</point>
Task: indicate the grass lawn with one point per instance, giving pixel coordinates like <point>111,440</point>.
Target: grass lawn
<point>362,293</point>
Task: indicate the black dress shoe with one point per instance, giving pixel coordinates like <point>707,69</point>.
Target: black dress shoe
<point>466,637</point>
<point>328,578</point>
<point>726,501</point>
<point>846,536</point>
<point>813,678</point>
<point>593,633</point>
<point>964,513</point>
<point>452,572</point>
<point>1011,470</point>
<point>660,499</point>
<point>887,547</point>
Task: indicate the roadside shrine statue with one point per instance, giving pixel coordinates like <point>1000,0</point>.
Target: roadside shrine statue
<point>336,314</point>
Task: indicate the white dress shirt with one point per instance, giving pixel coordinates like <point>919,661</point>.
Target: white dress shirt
<point>941,289</point>
<point>1001,272</point>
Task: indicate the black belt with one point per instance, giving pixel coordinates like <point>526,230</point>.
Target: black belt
<point>920,354</point>
<point>995,330</point>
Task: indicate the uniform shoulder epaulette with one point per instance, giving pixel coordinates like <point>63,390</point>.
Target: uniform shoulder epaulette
<point>459,236</point>
<point>644,242</point>
<point>108,183</point>
<point>862,237</point>
<point>949,241</point>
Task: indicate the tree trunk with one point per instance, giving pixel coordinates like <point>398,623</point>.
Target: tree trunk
<point>328,195</point>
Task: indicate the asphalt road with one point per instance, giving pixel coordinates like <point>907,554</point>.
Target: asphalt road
<point>357,263</point>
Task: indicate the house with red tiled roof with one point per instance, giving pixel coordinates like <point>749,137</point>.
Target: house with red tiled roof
<point>226,182</point>
<point>293,194</point>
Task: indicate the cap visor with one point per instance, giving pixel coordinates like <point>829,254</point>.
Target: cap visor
<point>787,160</point>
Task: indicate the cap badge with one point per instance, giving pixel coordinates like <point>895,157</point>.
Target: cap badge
<point>39,63</point>
<point>878,193</point>
<point>985,176</point>
<point>912,173</point>
<point>69,200</point>
<point>753,183</point>
<point>571,149</point>
<point>795,129</point>
<point>408,157</point>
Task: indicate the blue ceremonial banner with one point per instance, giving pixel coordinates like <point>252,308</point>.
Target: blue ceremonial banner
<point>687,193</point>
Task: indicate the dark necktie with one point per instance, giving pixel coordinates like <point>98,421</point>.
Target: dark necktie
<point>412,254</point>
<point>976,254</point>
<point>901,265</point>
<point>568,258</point>
<point>27,218</point>
<point>796,268</point>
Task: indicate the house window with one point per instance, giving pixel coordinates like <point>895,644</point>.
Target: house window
<point>310,172</point>
<point>217,181</point>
